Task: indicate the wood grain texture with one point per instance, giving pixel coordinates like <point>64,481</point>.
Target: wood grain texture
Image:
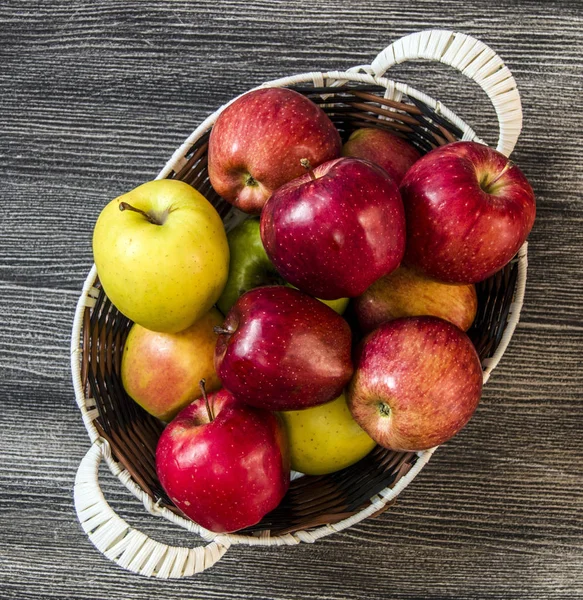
<point>94,98</point>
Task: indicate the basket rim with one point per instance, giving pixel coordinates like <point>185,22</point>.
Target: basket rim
<point>394,90</point>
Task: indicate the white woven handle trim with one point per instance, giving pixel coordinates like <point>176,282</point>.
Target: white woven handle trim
<point>474,59</point>
<point>124,545</point>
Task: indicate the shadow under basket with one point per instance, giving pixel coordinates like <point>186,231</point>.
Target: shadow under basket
<point>311,501</point>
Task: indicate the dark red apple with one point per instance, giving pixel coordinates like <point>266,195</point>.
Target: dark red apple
<point>283,350</point>
<point>469,209</point>
<point>408,293</point>
<point>383,148</point>
<point>335,230</point>
<point>258,141</point>
<point>417,382</point>
<point>224,466</point>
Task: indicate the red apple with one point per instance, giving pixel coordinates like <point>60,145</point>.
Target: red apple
<point>162,371</point>
<point>408,293</point>
<point>469,209</point>
<point>383,148</point>
<point>417,382</point>
<point>258,141</point>
<point>224,467</point>
<point>283,350</point>
<point>335,230</point>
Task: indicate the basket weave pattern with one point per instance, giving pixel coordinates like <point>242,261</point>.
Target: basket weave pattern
<point>126,436</point>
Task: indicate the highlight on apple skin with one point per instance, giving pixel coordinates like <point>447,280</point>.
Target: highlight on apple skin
<point>258,141</point>
<point>281,349</point>
<point>162,371</point>
<point>469,209</point>
<point>335,230</point>
<point>385,149</point>
<point>408,293</point>
<point>417,382</point>
<point>224,464</point>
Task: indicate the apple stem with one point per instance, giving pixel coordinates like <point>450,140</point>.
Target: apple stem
<point>125,206</point>
<point>490,184</point>
<point>221,330</point>
<point>306,164</point>
<point>202,384</point>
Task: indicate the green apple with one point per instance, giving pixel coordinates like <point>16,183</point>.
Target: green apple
<point>162,254</point>
<point>250,267</point>
<point>162,371</point>
<point>325,438</point>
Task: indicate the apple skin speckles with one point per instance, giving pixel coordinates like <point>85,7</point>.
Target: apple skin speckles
<point>284,350</point>
<point>417,382</point>
<point>334,235</point>
<point>226,474</point>
<point>383,148</point>
<point>468,212</point>
<point>258,141</point>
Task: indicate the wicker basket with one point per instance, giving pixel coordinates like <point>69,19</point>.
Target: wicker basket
<point>125,436</point>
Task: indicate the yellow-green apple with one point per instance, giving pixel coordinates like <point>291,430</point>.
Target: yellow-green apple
<point>257,142</point>
<point>162,371</point>
<point>250,267</point>
<point>162,255</point>
<point>325,438</point>
<point>335,230</point>
<point>383,148</point>
<point>469,209</point>
<point>281,349</point>
<point>224,464</point>
<point>417,382</point>
<point>409,293</point>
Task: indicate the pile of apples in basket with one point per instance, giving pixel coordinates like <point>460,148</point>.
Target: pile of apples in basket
<point>331,320</point>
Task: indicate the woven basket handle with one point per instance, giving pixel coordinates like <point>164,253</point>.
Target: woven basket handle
<point>126,546</point>
<point>474,59</point>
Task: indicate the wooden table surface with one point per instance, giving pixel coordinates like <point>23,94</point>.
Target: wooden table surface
<point>94,98</point>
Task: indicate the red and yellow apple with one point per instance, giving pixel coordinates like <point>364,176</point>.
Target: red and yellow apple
<point>408,293</point>
<point>417,382</point>
<point>162,371</point>
<point>258,141</point>
<point>383,148</point>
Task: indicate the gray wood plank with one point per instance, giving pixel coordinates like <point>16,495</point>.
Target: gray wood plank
<point>94,98</point>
